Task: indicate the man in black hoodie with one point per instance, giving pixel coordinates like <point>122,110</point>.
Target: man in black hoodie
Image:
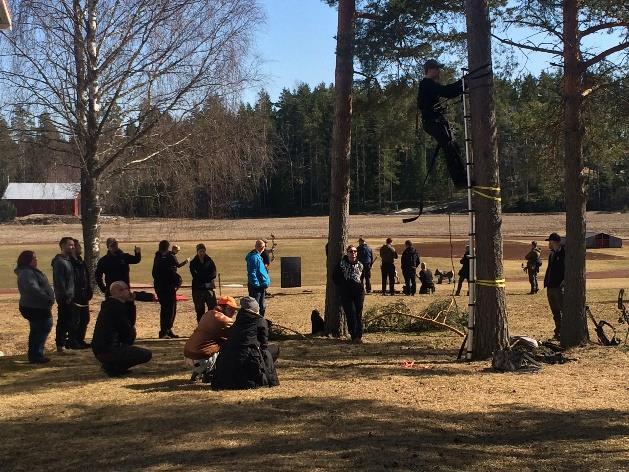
<point>165,281</point>
<point>115,265</point>
<point>82,293</point>
<point>410,262</point>
<point>63,281</point>
<point>554,279</point>
<point>203,272</point>
<point>435,123</point>
<point>114,333</point>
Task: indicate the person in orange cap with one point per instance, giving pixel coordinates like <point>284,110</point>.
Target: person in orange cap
<point>203,345</point>
<point>212,331</point>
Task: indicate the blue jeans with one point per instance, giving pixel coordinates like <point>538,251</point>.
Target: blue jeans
<point>259,294</point>
<point>40,321</point>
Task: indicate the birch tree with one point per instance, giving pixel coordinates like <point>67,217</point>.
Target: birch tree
<point>86,62</point>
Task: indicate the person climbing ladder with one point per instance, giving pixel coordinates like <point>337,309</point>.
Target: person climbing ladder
<point>436,124</point>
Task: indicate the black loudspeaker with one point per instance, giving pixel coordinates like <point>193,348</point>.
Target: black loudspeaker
<point>291,271</point>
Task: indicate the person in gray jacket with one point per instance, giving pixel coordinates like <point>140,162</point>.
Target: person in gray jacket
<point>36,300</point>
<point>63,281</point>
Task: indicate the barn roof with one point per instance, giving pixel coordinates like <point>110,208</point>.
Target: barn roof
<point>589,234</point>
<point>38,191</point>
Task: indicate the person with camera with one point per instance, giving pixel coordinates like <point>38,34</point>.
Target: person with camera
<point>114,332</point>
<point>114,265</point>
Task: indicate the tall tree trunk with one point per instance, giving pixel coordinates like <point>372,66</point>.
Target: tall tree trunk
<point>90,172</point>
<point>574,330</point>
<point>491,330</point>
<point>340,161</point>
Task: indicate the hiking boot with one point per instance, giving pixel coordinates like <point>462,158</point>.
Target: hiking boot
<point>163,335</point>
<point>61,349</point>
<point>173,335</point>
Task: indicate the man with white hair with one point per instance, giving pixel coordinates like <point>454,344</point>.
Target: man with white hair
<point>258,279</point>
<point>114,333</point>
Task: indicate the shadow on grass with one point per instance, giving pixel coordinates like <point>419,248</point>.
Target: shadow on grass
<point>251,432</point>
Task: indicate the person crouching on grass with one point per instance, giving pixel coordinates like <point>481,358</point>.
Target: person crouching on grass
<point>114,332</point>
<point>347,276</point>
<point>209,336</point>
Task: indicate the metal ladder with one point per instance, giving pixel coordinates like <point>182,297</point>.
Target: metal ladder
<point>469,164</point>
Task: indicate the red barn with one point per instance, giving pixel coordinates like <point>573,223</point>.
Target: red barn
<point>47,198</point>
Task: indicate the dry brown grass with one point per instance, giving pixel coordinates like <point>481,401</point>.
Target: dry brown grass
<point>339,406</point>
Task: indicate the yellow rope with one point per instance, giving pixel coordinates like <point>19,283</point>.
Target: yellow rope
<point>498,283</point>
<point>490,197</point>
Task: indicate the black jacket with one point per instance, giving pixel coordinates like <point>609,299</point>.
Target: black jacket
<point>410,259</point>
<point>244,361</point>
<point>465,265</point>
<point>115,267</point>
<point>425,277</point>
<point>63,279</point>
<point>428,97</point>
<point>82,287</point>
<point>164,271</point>
<point>202,272</point>
<point>556,268</point>
<point>115,326</point>
<point>347,276</point>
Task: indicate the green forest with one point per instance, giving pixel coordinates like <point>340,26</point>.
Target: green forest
<point>273,158</point>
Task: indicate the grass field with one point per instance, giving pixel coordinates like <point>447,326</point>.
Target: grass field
<point>339,406</point>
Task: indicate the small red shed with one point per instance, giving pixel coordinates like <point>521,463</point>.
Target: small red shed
<point>46,198</point>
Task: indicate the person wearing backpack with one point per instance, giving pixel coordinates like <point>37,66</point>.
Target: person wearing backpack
<point>166,280</point>
<point>533,263</point>
<point>365,256</point>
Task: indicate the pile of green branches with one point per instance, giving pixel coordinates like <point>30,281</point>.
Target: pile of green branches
<point>398,317</point>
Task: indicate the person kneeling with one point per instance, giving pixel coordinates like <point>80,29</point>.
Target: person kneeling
<point>427,283</point>
<point>209,336</point>
<point>247,360</point>
<point>114,333</point>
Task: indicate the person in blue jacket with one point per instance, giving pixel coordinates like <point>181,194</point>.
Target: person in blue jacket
<point>258,279</point>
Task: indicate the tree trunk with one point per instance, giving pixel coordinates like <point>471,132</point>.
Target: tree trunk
<point>90,212</point>
<point>491,330</point>
<point>574,330</point>
<point>340,161</point>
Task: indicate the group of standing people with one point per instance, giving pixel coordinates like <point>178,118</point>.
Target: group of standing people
<point>72,292</point>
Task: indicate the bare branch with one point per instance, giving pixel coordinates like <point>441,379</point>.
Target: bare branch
<point>599,57</point>
<point>529,47</point>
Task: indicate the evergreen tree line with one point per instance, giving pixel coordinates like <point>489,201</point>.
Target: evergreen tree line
<point>273,158</point>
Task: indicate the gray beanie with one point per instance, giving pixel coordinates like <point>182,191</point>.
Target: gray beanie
<point>249,304</point>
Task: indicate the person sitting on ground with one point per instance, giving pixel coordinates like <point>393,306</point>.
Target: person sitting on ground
<point>317,323</point>
<point>247,360</point>
<point>210,335</point>
<point>175,250</point>
<point>425,276</point>
<point>347,278</point>
<point>114,332</point>
<point>36,301</point>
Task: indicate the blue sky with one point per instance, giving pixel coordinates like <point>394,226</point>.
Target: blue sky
<point>296,45</point>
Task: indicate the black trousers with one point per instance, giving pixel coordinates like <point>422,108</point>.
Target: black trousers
<point>203,298</point>
<point>533,280</point>
<point>461,279</point>
<point>84,320</point>
<point>365,277</point>
<point>168,308</point>
<point>440,130</point>
<point>66,333</point>
<point>353,308</point>
<point>388,273</point>
<point>119,360</point>
<point>410,280</point>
